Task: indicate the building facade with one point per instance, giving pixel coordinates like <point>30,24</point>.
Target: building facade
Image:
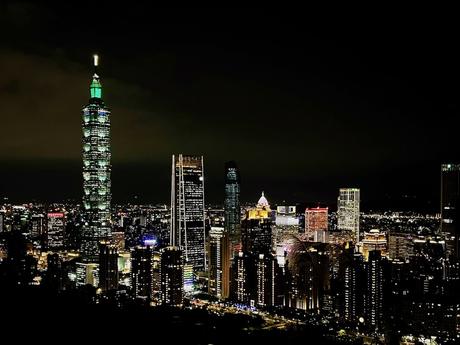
<point>348,211</point>
<point>171,276</point>
<point>55,230</point>
<point>187,209</point>
<point>142,272</point>
<point>450,199</point>
<point>96,172</point>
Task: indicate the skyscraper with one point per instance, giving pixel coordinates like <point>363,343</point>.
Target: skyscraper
<point>256,229</point>
<point>353,276</point>
<point>316,223</point>
<point>171,276</point>
<point>450,198</point>
<point>142,272</point>
<point>55,230</point>
<point>348,211</point>
<point>232,203</point>
<point>244,281</point>
<point>374,240</point>
<point>216,242</point>
<point>316,219</point>
<point>400,245</point>
<point>373,302</point>
<point>266,272</point>
<point>37,225</point>
<point>187,209</point>
<point>96,172</point>
<point>108,266</point>
<point>231,238</point>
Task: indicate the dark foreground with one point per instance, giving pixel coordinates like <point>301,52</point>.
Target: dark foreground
<point>36,315</point>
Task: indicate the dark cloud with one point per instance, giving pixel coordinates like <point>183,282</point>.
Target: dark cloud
<point>303,108</point>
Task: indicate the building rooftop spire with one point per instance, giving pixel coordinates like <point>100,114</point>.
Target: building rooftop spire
<point>95,88</point>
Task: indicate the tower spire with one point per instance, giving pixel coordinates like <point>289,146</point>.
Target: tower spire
<point>96,60</point>
<point>95,88</point>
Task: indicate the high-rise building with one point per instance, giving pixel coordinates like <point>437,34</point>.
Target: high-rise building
<point>216,242</point>
<point>256,229</point>
<point>171,276</point>
<point>231,238</point>
<point>142,272</point>
<point>87,274</point>
<point>374,240</point>
<point>348,211</point>
<point>244,280</point>
<point>187,209</point>
<point>232,202</point>
<point>108,266</point>
<point>266,272</point>
<point>118,240</point>
<point>316,220</point>
<point>308,269</point>
<point>400,245</point>
<point>450,199</point>
<point>55,230</point>
<point>96,172</point>
<point>37,225</point>
<point>373,302</point>
<point>286,216</point>
<point>353,287</point>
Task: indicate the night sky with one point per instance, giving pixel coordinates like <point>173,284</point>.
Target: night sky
<point>304,103</point>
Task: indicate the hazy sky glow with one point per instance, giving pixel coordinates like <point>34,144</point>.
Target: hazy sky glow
<point>303,108</point>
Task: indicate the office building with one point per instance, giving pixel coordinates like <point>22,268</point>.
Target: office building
<point>232,208</point>
<point>118,240</point>
<point>348,212</point>
<point>374,240</point>
<point>171,276</point>
<point>87,273</point>
<point>286,216</point>
<point>187,209</point>
<point>316,224</point>
<point>256,229</point>
<point>142,272</point>
<point>244,282</point>
<point>96,172</point>
<point>108,266</point>
<point>55,230</point>
<point>216,251</point>
<point>400,245</point>
<point>267,275</point>
<point>450,198</point>
<point>316,219</point>
<point>37,228</point>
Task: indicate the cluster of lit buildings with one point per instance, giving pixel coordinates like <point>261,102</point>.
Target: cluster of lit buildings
<point>381,282</point>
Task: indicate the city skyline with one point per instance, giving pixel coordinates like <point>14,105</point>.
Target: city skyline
<point>239,105</point>
<point>180,80</point>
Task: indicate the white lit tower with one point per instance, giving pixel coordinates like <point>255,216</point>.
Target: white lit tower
<point>96,172</point>
<point>348,211</point>
<point>187,209</point>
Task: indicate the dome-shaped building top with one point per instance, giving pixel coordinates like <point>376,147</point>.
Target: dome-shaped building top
<point>263,202</point>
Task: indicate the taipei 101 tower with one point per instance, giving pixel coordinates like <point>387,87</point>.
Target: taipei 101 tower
<point>96,172</point>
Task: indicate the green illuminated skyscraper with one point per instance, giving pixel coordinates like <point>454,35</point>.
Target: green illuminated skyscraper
<point>96,172</point>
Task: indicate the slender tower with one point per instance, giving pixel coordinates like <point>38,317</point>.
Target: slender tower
<point>96,172</point>
<point>232,204</point>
